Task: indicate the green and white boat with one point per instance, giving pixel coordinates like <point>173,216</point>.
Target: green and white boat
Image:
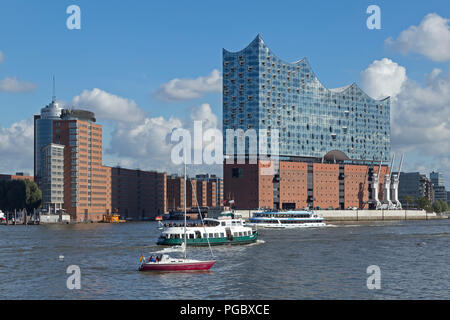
<point>226,229</point>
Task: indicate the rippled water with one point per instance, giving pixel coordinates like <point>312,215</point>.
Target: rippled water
<point>325,263</point>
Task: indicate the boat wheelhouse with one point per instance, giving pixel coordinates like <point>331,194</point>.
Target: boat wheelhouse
<point>227,229</point>
<point>286,219</point>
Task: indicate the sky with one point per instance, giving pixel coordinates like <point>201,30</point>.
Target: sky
<point>148,67</point>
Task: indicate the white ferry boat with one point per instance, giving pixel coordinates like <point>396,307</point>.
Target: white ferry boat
<point>286,219</point>
<point>226,229</point>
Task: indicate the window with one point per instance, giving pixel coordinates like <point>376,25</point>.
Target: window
<point>237,172</point>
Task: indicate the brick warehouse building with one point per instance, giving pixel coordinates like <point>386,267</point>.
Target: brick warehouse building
<point>138,194</point>
<point>90,189</point>
<point>331,141</point>
<point>202,187</point>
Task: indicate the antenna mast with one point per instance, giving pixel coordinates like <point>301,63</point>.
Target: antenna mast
<point>54,90</point>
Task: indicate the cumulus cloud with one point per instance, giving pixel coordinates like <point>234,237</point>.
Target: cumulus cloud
<point>383,78</point>
<point>430,38</point>
<point>14,85</point>
<point>420,114</point>
<point>147,144</point>
<point>106,105</point>
<point>185,89</point>
<point>16,147</point>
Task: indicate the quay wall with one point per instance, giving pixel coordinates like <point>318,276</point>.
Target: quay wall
<point>362,215</point>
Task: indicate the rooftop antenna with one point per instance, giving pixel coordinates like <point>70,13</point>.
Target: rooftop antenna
<point>54,90</point>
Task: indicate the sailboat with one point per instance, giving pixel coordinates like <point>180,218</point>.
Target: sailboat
<point>163,262</point>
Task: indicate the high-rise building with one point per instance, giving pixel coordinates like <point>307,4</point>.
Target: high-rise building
<point>437,178</point>
<point>261,91</point>
<point>415,185</point>
<point>85,179</point>
<point>333,144</point>
<point>43,134</point>
<point>52,177</point>
<point>437,181</point>
<point>440,194</point>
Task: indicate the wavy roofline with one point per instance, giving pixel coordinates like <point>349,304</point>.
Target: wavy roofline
<point>258,38</point>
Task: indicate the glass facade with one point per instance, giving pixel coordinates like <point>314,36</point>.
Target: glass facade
<point>261,91</point>
<point>44,137</point>
<point>43,131</point>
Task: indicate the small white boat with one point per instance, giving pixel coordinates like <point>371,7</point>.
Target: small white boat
<point>286,219</point>
<point>162,262</point>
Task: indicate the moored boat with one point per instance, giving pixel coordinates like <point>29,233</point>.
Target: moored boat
<point>286,219</point>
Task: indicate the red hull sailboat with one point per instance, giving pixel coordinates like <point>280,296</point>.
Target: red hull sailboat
<point>163,262</point>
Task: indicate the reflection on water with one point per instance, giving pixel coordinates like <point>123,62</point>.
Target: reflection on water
<point>323,263</point>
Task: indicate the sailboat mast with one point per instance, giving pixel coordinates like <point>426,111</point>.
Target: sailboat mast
<point>185,239</point>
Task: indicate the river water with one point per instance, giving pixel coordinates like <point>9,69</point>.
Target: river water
<point>324,263</point>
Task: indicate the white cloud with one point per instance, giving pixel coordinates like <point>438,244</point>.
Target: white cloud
<point>383,78</point>
<point>146,144</point>
<point>2,57</point>
<point>184,89</point>
<point>430,38</point>
<point>420,114</point>
<point>14,85</point>
<point>109,106</point>
<point>16,147</point>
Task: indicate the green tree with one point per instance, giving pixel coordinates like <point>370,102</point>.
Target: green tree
<point>424,203</point>
<point>409,200</point>
<point>33,197</point>
<point>437,207</point>
<point>19,194</point>
<point>444,206</point>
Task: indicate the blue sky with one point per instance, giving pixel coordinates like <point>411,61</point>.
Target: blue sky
<point>131,48</point>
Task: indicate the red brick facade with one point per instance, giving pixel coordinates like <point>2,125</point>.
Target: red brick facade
<point>337,186</point>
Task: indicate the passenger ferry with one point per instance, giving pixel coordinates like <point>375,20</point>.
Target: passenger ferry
<point>286,219</point>
<point>226,229</point>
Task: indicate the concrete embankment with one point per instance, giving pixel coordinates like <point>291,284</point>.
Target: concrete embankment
<point>363,215</point>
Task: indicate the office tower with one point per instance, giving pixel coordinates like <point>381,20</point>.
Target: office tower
<point>52,177</point>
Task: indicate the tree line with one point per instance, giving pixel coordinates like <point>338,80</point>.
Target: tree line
<point>19,194</point>
<point>425,204</point>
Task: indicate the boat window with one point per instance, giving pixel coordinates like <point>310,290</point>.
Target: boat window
<point>216,235</point>
<point>211,235</point>
<point>223,223</point>
<point>205,235</point>
<point>222,235</point>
